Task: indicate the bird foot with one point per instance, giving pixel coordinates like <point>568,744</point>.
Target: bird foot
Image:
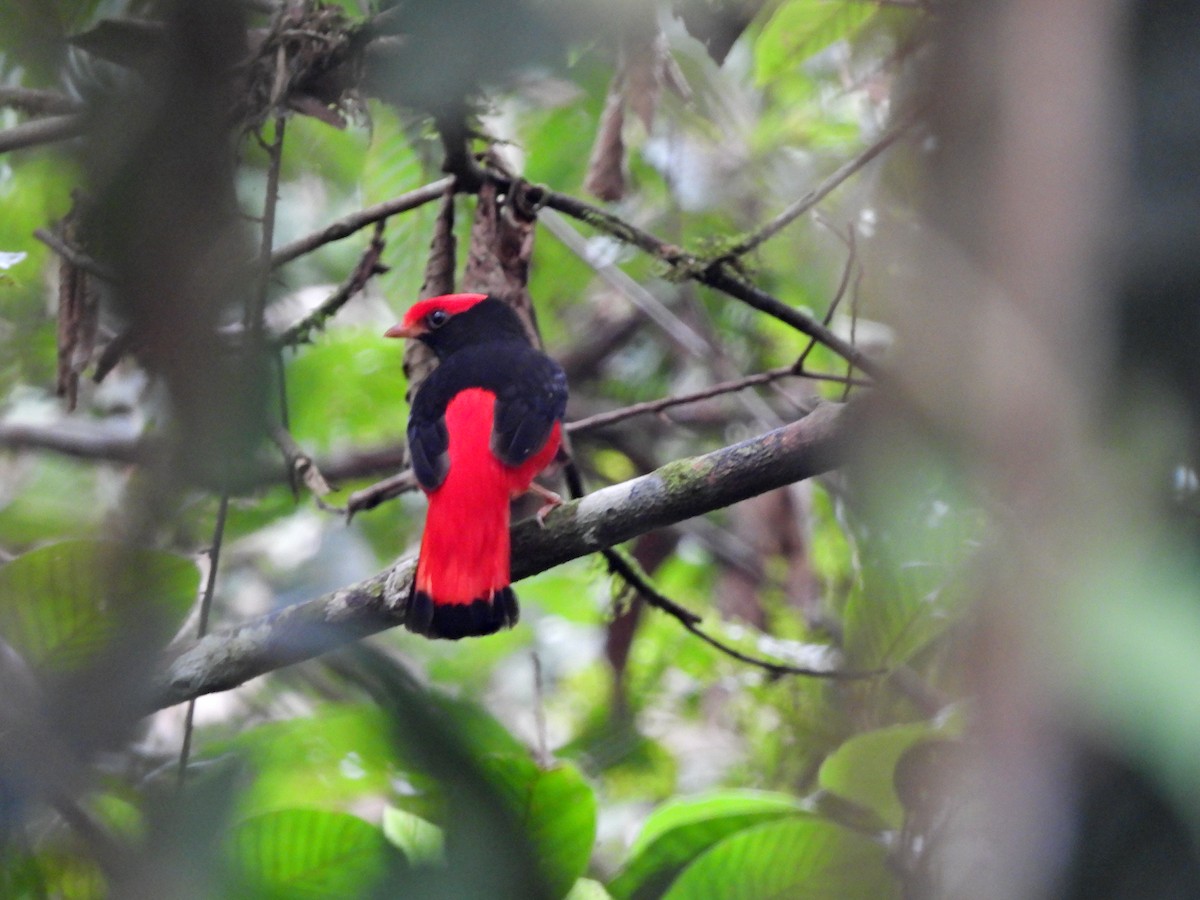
<point>552,500</point>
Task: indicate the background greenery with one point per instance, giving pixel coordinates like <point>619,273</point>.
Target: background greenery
<point>598,749</point>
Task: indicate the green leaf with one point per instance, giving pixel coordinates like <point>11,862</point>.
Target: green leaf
<point>799,858</point>
<point>679,831</point>
<point>802,28</point>
<point>347,389</point>
<point>420,840</point>
<point>51,874</point>
<point>913,536</point>
<point>886,627</point>
<point>56,602</point>
<point>48,498</point>
<point>909,594</point>
<point>862,769</point>
<point>339,753</point>
<point>482,731</point>
<point>557,809</point>
<point>587,889</point>
<point>632,765</point>
<point>306,853</point>
<point>392,166</point>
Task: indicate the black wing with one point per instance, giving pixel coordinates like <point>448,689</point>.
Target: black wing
<point>528,403</point>
<point>428,441</point>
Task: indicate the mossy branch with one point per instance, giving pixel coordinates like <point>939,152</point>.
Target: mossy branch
<point>679,490</point>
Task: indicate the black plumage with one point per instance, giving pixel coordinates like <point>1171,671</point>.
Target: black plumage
<point>486,347</point>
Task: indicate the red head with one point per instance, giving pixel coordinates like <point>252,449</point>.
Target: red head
<point>425,316</point>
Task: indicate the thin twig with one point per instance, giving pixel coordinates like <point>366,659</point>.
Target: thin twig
<point>853,329</point>
<point>89,443</point>
<point>379,492</point>
<point>723,279</point>
<point>843,282</point>
<point>816,195</point>
<point>253,321</point>
<point>368,265</point>
<point>100,444</point>
<point>615,277</point>
<point>74,255</point>
<point>726,387</point>
<point>776,668</point>
<point>348,225</point>
<point>716,274</point>
<point>210,583</point>
<point>253,324</point>
<point>620,564</point>
<point>301,468</point>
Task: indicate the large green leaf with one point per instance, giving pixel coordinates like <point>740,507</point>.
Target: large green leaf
<point>557,810</point>
<point>862,769</point>
<point>56,602</point>
<point>339,753</point>
<point>801,28</point>
<point>48,498</point>
<point>679,831</point>
<point>306,853</point>
<point>894,614</point>
<point>798,858</point>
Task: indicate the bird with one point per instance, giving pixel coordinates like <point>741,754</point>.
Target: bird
<point>481,426</point>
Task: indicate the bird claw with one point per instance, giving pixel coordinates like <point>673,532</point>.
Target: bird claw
<point>552,500</point>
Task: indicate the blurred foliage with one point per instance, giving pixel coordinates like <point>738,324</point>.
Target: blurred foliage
<point>681,773</point>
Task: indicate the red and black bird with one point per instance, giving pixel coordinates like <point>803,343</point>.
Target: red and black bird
<point>482,425</point>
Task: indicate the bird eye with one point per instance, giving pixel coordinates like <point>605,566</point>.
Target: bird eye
<point>437,318</point>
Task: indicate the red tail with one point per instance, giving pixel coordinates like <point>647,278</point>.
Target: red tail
<point>462,583</point>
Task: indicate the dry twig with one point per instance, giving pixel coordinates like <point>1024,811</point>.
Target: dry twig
<point>347,225</point>
<point>368,265</point>
<point>809,201</point>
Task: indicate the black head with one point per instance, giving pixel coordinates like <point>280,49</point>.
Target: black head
<point>454,321</point>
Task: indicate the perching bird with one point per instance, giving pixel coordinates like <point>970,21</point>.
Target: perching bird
<point>482,425</point>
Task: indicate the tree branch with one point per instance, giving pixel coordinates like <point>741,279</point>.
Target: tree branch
<point>599,420</point>
<point>678,491</point>
<point>616,278</point>
<point>91,443</point>
<point>98,444</point>
<point>816,195</point>
<point>626,568</point>
<point>713,273</point>
<point>74,255</point>
<point>368,265</point>
<point>40,131</point>
<point>36,102</point>
<point>347,225</point>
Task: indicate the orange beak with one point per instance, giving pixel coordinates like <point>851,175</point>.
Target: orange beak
<point>404,331</point>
